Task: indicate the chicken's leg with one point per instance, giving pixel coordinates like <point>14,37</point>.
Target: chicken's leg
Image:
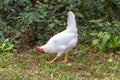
<point>52,60</point>
<point>65,60</point>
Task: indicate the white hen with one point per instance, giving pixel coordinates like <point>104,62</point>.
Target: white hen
<point>63,41</point>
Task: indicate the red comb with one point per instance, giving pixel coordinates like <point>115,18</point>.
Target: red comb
<point>39,50</point>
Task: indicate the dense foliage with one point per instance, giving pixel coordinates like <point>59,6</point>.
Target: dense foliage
<point>29,25</point>
<point>106,40</point>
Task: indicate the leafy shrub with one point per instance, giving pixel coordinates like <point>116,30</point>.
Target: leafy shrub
<point>27,25</point>
<point>106,40</point>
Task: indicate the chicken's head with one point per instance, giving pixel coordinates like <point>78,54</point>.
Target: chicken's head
<point>41,51</point>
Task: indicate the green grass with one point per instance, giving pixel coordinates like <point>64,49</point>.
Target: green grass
<point>82,65</point>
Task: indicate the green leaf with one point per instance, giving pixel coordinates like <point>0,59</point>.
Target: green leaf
<point>79,15</point>
<point>93,34</point>
<point>96,21</point>
<point>100,35</point>
<point>95,42</point>
<point>114,42</point>
<point>104,42</point>
<point>52,25</point>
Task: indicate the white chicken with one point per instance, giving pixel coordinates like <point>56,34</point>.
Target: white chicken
<point>63,41</point>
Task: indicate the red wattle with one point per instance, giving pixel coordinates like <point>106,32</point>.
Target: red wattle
<point>38,49</point>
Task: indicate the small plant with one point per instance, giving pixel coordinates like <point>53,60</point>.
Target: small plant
<point>114,42</point>
<point>106,40</point>
<point>6,46</point>
<point>101,41</point>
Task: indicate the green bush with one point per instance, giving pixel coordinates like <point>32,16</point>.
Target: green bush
<point>30,25</point>
<point>106,41</point>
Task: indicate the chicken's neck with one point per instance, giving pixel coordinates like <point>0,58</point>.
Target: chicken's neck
<point>71,24</point>
<point>46,48</point>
